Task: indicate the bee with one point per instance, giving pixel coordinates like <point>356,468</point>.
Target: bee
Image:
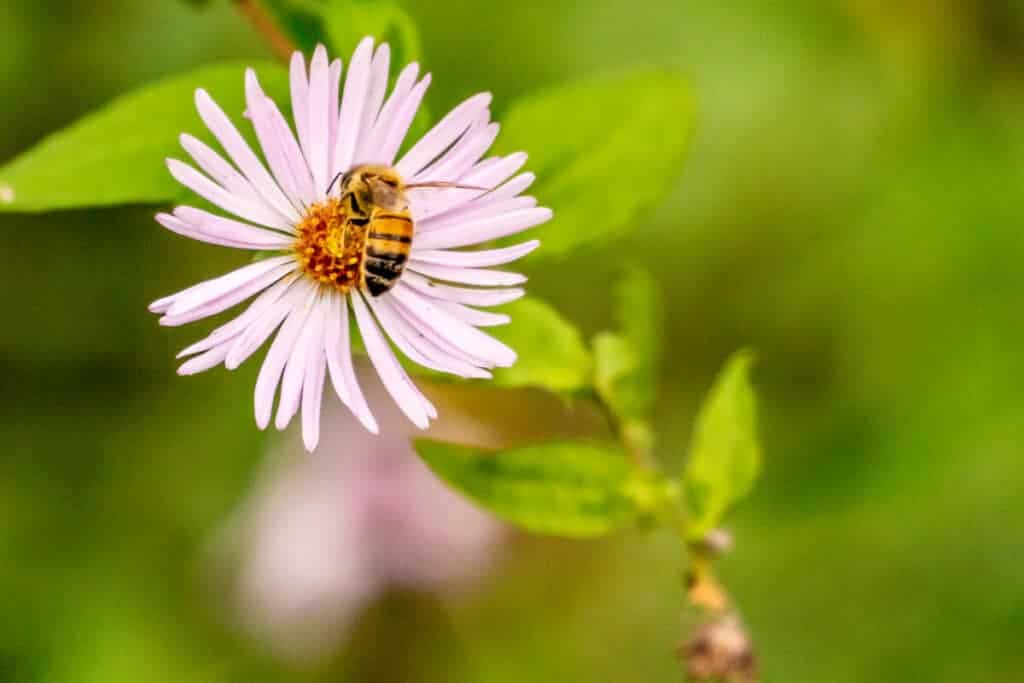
<point>375,202</point>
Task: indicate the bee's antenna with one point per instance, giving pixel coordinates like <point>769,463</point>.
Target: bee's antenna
<point>444,184</point>
<point>334,180</point>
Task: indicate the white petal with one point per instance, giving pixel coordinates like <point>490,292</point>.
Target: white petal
<point>475,259</point>
<point>219,294</point>
<point>209,227</point>
<point>403,118</point>
<point>250,210</point>
<point>333,91</point>
<point>246,160</point>
<point>374,99</point>
<point>416,346</point>
<point>337,347</point>
<point>442,135</point>
<point>309,344</point>
<point>371,152</point>
<point>236,326</point>
<point>468,338</point>
<point>468,276</point>
<point>353,100</point>
<point>397,383</point>
<point>462,295</point>
<point>313,393</point>
<point>277,356</point>
<point>217,168</point>
<point>320,111</point>
<point>483,229</point>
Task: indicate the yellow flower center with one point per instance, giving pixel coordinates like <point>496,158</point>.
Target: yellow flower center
<point>330,248</point>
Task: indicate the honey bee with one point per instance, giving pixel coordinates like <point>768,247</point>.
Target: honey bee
<point>376,205</point>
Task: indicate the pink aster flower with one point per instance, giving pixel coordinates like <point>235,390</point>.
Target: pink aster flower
<point>355,233</point>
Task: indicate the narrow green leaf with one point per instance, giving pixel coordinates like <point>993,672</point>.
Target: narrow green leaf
<point>570,489</point>
<point>725,458</point>
<point>605,151</point>
<point>116,155</point>
<point>552,354</point>
<point>625,362</point>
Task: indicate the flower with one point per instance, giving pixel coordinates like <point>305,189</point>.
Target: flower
<point>320,538</point>
<point>305,292</point>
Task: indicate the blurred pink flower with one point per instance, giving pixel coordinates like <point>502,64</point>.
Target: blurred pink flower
<point>323,535</point>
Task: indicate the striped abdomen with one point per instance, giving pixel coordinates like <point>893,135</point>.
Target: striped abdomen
<point>388,242</point>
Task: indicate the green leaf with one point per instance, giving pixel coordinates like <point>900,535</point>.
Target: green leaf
<point>725,458</point>
<point>626,361</point>
<point>573,489</point>
<point>552,354</point>
<point>605,151</point>
<point>116,155</point>
<point>341,24</point>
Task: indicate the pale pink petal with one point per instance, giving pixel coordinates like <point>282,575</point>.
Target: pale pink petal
<point>210,227</point>
<point>426,331</point>
<point>442,135</point>
<point>309,344</point>
<point>313,393</point>
<point>246,160</point>
<point>217,168</point>
<point>374,99</point>
<point>263,325</point>
<point>394,378</point>
<point>493,174</point>
<point>236,326</point>
<point>471,316</point>
<point>475,259</point>
<point>270,140</point>
<point>483,229</point>
<point>418,348</point>
<point>333,102</point>
<point>277,356</point>
<point>371,145</point>
<point>475,208</point>
<point>219,294</point>
<point>468,338</point>
<point>463,154</point>
<point>462,295</point>
<point>320,111</point>
<point>256,212</point>
<point>489,173</point>
<point>176,225</point>
<point>353,100</point>
<point>467,276</point>
<point>300,102</point>
<point>297,165</point>
<point>204,361</point>
<point>399,127</point>
<point>338,350</point>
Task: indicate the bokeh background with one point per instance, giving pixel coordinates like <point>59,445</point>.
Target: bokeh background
<point>853,207</point>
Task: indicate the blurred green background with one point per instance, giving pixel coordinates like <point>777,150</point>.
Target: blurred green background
<point>852,208</point>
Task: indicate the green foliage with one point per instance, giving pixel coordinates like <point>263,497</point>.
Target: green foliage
<point>725,457</point>
<point>625,362</point>
<point>341,24</point>
<point>573,489</point>
<point>116,155</point>
<point>605,151</point>
<point>552,354</point>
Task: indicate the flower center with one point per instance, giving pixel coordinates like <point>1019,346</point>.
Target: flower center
<point>329,247</point>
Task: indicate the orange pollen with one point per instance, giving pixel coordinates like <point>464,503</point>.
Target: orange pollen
<point>329,248</point>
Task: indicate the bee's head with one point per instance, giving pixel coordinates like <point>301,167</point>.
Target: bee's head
<point>376,185</point>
